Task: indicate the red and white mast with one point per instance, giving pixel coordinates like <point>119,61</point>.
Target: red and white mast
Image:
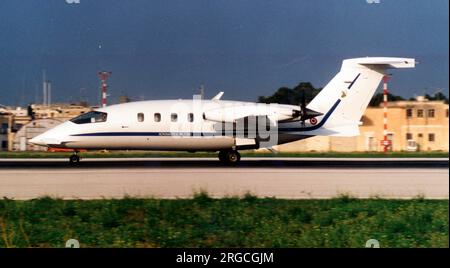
<point>385,110</point>
<point>103,78</point>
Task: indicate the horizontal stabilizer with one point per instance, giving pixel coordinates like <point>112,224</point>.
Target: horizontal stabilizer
<point>384,62</point>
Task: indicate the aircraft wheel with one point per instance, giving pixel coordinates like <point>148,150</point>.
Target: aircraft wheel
<point>222,155</point>
<point>73,159</point>
<point>232,157</point>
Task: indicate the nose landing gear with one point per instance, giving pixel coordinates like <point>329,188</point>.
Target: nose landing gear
<point>75,158</point>
<point>230,157</point>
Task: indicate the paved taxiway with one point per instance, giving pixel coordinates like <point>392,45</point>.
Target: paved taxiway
<point>294,178</point>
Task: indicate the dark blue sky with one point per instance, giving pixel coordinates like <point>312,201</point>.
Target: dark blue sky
<point>166,49</point>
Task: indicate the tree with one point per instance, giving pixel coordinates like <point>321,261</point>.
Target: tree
<point>293,96</point>
<point>377,99</point>
<point>437,96</point>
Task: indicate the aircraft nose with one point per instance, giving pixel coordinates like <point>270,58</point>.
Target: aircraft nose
<point>44,139</point>
<point>38,140</point>
<point>53,137</point>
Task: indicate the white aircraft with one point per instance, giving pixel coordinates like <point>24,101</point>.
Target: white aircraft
<point>227,126</point>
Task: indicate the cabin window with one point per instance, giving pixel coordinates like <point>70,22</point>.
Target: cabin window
<point>140,117</point>
<point>190,117</point>
<point>174,117</point>
<point>90,117</point>
<point>157,117</point>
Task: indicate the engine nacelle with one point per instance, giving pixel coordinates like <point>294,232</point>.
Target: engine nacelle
<point>229,114</point>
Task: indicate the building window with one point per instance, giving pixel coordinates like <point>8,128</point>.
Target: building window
<point>190,117</point>
<point>174,117</point>
<point>446,113</point>
<point>431,113</point>
<point>140,117</point>
<point>420,135</point>
<point>409,136</point>
<point>431,137</point>
<point>372,144</point>
<point>420,113</point>
<point>409,113</point>
<point>157,117</point>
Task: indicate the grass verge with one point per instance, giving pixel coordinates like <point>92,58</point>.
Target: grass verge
<point>229,222</point>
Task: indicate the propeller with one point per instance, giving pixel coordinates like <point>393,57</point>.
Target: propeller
<point>305,113</point>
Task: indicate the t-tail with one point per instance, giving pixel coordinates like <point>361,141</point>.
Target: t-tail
<point>345,98</point>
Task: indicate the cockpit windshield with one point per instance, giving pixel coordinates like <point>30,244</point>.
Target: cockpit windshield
<point>90,117</point>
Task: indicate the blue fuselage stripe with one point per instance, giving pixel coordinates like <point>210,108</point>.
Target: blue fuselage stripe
<point>144,134</point>
<point>354,80</point>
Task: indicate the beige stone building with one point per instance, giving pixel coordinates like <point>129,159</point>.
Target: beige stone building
<point>10,121</point>
<point>31,130</point>
<point>58,111</point>
<point>419,125</point>
<point>6,135</point>
<point>19,125</point>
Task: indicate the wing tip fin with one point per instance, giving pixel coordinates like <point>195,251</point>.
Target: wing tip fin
<point>218,96</point>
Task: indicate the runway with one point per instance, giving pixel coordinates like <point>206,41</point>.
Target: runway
<point>292,178</point>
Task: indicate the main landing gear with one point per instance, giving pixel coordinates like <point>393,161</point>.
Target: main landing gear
<point>230,157</point>
<point>75,158</point>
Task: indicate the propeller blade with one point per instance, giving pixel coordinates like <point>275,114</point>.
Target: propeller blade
<point>303,101</point>
<point>308,114</point>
